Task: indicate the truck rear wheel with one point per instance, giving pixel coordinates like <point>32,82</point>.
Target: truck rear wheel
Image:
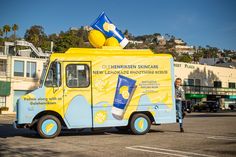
<point>140,124</point>
<point>49,126</point>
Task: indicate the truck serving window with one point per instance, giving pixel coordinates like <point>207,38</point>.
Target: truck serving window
<point>53,78</point>
<point>77,76</point>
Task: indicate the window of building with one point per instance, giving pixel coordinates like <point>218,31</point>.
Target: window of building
<point>189,82</point>
<point>197,82</point>
<point>2,101</point>
<point>3,65</point>
<point>31,69</point>
<point>217,84</point>
<point>232,85</point>
<point>77,76</point>
<point>54,75</point>
<point>19,68</point>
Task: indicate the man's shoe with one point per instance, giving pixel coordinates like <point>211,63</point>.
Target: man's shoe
<point>181,130</point>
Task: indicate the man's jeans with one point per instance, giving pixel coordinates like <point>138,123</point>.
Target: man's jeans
<point>179,112</point>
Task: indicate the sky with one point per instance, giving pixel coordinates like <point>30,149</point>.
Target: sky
<point>197,22</point>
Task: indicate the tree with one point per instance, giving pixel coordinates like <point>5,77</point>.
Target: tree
<point>15,28</point>
<point>36,35</point>
<point>126,32</point>
<point>67,40</point>
<point>209,52</point>
<point>6,29</point>
<point>157,34</point>
<point>53,37</point>
<point>185,58</point>
<point>1,32</point>
<point>83,34</point>
<point>197,56</point>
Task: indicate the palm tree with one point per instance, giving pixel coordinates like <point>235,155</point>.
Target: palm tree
<point>1,32</point>
<point>15,28</point>
<point>6,29</point>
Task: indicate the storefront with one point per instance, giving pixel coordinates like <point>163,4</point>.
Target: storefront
<point>195,98</point>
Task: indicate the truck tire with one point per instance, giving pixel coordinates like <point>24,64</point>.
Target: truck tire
<point>49,126</point>
<point>140,124</point>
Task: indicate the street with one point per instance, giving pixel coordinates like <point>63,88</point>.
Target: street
<point>206,135</point>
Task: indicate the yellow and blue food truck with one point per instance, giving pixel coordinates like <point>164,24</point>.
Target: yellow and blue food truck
<point>95,88</point>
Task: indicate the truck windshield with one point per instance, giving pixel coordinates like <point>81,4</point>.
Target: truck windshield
<point>53,78</point>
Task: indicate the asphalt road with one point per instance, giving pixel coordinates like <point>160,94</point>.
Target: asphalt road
<point>206,135</point>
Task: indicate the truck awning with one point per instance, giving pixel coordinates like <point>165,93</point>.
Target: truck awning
<point>5,88</point>
<point>231,96</point>
<point>195,96</point>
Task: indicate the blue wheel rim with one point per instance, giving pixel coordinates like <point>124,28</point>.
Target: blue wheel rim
<point>49,127</point>
<point>141,124</point>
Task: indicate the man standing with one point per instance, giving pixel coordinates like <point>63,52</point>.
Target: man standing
<point>179,97</point>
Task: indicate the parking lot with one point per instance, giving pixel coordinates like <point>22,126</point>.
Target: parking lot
<point>206,135</point>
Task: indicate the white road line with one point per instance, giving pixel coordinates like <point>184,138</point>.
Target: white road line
<point>167,151</point>
<point>178,151</point>
<point>158,152</point>
<point>222,138</point>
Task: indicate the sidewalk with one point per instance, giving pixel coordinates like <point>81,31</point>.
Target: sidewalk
<point>7,117</point>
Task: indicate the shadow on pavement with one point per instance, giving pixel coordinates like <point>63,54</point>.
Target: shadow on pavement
<point>8,150</point>
<point>5,150</point>
<point>7,130</point>
<point>223,152</point>
<point>209,115</point>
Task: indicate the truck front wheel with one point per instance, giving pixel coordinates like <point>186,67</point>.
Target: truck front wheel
<point>140,124</point>
<point>49,126</point>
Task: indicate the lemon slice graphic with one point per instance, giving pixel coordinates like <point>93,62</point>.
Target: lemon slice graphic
<point>100,117</point>
<point>109,27</point>
<point>140,124</point>
<point>124,92</point>
<point>49,127</point>
<point>106,26</point>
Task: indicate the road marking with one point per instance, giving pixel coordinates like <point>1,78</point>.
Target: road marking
<point>158,152</point>
<point>222,138</point>
<point>167,151</point>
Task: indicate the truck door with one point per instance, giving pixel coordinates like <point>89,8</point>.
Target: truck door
<point>77,94</point>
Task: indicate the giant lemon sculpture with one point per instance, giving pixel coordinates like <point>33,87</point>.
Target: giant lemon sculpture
<point>96,38</point>
<point>112,41</point>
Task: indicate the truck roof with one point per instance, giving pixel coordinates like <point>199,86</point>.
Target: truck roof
<point>106,51</point>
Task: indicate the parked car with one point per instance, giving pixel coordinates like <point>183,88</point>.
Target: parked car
<point>232,106</point>
<point>210,106</point>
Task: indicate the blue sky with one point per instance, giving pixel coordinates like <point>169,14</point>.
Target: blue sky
<point>198,22</point>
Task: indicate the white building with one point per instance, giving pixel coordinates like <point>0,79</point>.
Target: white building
<point>181,47</point>
<point>18,74</point>
<point>184,49</point>
<point>136,42</point>
<point>204,82</point>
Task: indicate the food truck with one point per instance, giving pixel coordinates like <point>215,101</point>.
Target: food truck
<point>101,87</point>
